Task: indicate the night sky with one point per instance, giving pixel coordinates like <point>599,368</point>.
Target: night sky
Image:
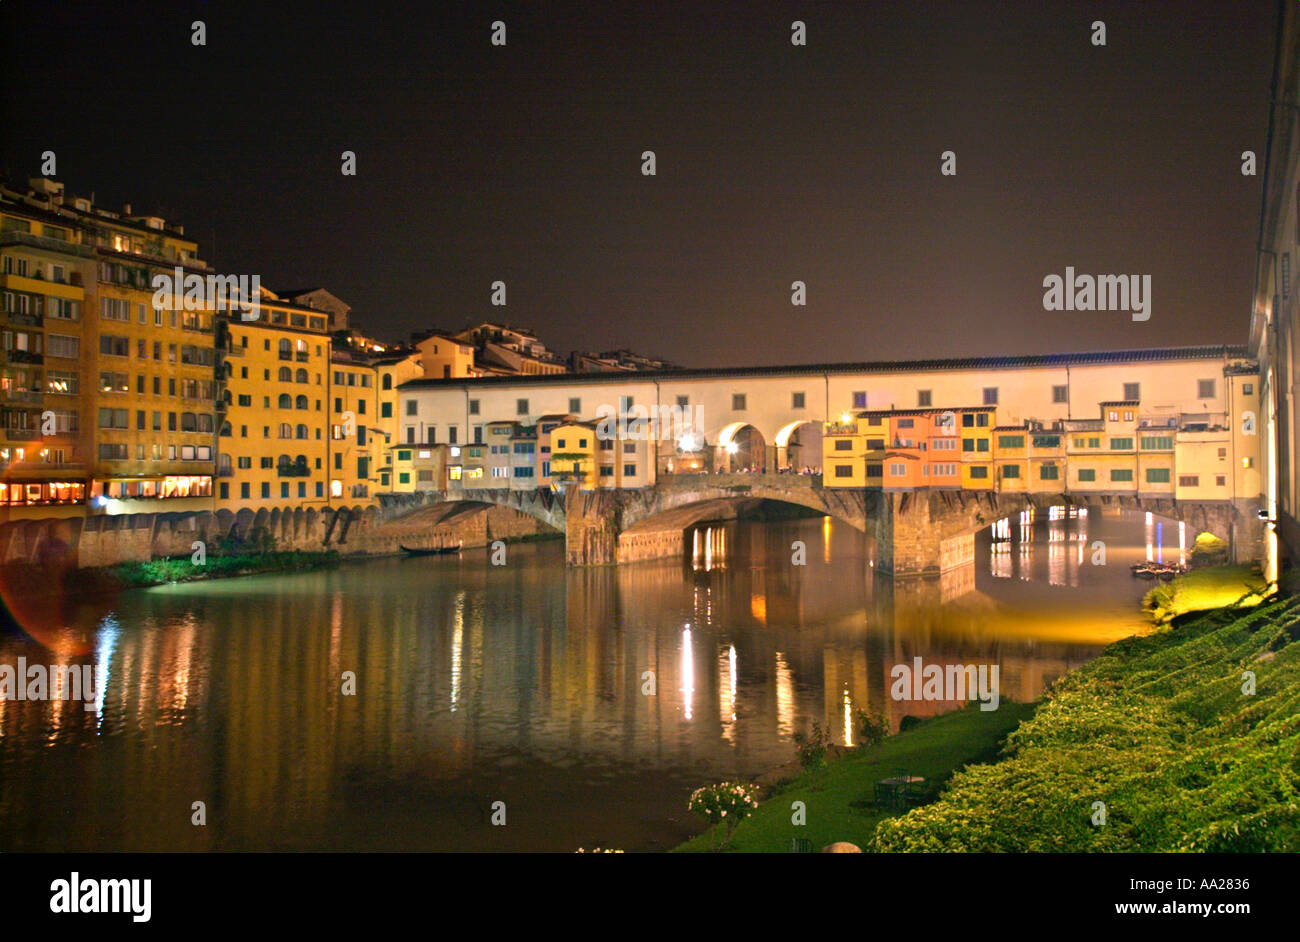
<point>775,163</point>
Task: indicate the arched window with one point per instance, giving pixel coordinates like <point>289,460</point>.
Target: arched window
<point>388,380</point>
<point>226,430</point>
<point>300,376</point>
<point>300,402</point>
<point>300,462</point>
<point>285,401</point>
<point>286,430</point>
<point>285,375</point>
<point>283,461</point>
<point>302,431</point>
<point>188,422</point>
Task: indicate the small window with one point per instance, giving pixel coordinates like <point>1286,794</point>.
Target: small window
<point>844,470</point>
<point>990,395</point>
<point>923,398</point>
<point>1132,391</point>
<point>859,400</point>
<point>1087,474</point>
<point>473,407</point>
<point>1248,389</point>
<point>796,400</point>
<point>1205,389</point>
<point>521,407</point>
<point>1189,480</point>
<point>875,470</point>
<point>575,405</point>
<point>738,402</point>
<point>1060,393</point>
<point>412,408</point>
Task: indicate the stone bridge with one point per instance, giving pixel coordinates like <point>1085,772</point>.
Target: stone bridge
<point>915,532</point>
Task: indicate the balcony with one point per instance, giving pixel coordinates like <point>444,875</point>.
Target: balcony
<point>25,320</point>
<point>28,396</point>
<point>21,356</point>
<point>23,434</point>
<point>14,237</point>
<point>302,356</point>
<point>292,471</point>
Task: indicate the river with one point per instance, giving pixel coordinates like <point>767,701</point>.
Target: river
<point>527,684</point>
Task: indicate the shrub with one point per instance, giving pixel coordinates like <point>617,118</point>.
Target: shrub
<point>811,748</point>
<point>726,803</point>
<point>873,728</point>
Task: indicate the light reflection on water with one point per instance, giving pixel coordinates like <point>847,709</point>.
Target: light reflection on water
<point>477,683</point>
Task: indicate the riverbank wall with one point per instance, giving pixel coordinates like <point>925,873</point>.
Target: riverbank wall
<point>99,541</point>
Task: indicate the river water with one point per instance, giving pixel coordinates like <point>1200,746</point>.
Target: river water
<point>527,684</point>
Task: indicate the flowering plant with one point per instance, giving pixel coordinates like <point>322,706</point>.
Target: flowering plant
<point>726,803</point>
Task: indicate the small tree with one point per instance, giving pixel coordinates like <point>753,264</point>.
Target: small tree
<point>811,748</point>
<point>726,803</point>
<point>872,728</point>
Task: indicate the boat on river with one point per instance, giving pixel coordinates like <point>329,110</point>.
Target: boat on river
<point>434,551</point>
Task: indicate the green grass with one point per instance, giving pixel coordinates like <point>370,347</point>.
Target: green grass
<point>1202,590</point>
<point>933,749</point>
<point>1160,729</point>
<point>163,571</point>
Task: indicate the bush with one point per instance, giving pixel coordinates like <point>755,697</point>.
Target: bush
<point>1158,727</point>
<point>873,728</point>
<point>811,748</point>
<point>726,803</point>
<point>908,722</point>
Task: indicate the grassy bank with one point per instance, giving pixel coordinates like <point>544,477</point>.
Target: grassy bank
<point>163,571</point>
<point>1159,728</point>
<point>1202,590</point>
<point>838,796</point>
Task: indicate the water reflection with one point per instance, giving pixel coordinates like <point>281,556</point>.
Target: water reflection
<point>523,683</point>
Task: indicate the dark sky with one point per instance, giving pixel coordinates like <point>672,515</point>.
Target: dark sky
<point>775,162</point>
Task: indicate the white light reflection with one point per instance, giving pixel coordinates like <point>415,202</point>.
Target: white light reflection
<point>688,672</point>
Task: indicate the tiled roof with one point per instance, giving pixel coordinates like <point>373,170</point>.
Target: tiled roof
<point>1149,355</point>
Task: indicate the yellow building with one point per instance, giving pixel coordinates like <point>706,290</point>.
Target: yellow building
<point>573,454</point>
<point>275,450</point>
<point>444,357</point>
<point>154,376</point>
<point>844,446</point>
<point>975,429</point>
<point>391,372</point>
<point>356,444</point>
<point>46,441</point>
<point>125,368</point>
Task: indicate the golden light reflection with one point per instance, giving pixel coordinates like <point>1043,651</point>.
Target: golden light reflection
<point>784,696</point>
<point>848,718</point>
<point>688,672</point>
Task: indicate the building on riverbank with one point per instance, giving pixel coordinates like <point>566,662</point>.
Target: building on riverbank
<point>1275,314</point>
<point>111,396</point>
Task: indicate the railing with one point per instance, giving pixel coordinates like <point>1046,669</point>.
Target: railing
<point>23,434</point>
<point>292,471</point>
<point>14,237</point>
<point>22,356</point>
<point>26,320</point>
